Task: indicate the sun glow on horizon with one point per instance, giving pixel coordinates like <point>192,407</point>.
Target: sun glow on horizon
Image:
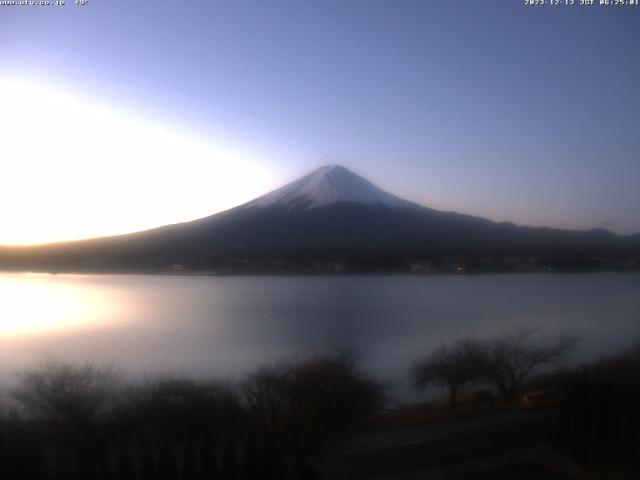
<point>75,169</point>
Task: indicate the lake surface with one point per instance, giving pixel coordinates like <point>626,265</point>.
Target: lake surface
<point>224,327</point>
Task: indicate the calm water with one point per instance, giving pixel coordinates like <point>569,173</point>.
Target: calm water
<point>225,326</point>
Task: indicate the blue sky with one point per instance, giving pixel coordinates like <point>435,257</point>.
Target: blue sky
<point>512,112</point>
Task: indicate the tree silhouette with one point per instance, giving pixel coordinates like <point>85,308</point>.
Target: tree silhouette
<point>296,407</point>
<point>168,465</point>
<point>190,468</point>
<point>512,357</point>
<point>452,366</point>
<point>230,461</point>
<point>125,469</point>
<point>208,462</point>
<point>62,464</point>
<point>147,467</point>
<point>63,391</point>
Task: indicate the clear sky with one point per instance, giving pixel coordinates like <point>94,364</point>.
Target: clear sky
<point>121,115</point>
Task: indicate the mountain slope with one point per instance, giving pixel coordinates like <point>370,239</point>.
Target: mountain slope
<point>332,219</point>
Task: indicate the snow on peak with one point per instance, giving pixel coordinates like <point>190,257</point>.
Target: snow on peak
<point>327,185</point>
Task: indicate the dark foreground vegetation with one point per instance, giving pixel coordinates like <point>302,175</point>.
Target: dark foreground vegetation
<point>84,422</point>
<point>598,404</point>
<point>601,413</point>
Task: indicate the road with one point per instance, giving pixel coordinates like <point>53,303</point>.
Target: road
<point>496,446</point>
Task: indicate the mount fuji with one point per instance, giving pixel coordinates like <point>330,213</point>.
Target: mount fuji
<point>333,220</point>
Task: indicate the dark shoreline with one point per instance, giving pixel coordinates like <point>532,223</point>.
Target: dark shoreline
<point>320,273</point>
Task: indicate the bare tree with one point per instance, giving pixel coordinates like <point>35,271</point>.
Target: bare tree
<point>297,406</point>
<point>67,392</point>
<point>179,407</point>
<point>452,366</point>
<point>513,356</point>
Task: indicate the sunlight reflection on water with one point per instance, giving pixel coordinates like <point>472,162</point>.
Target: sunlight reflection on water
<point>34,304</point>
<point>224,327</point>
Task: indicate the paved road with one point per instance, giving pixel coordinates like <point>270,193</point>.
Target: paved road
<point>501,446</point>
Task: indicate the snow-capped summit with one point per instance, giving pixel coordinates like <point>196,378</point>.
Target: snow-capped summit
<point>327,185</point>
